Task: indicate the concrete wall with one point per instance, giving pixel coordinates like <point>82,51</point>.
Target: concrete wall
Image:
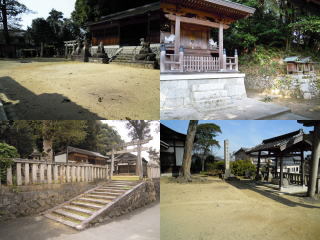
<point>200,90</point>
<point>28,200</point>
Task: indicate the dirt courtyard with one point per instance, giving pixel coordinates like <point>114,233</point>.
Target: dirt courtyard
<point>218,210</point>
<point>55,89</point>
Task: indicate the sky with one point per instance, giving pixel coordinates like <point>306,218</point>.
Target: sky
<point>120,126</point>
<point>243,133</point>
<point>43,7</point>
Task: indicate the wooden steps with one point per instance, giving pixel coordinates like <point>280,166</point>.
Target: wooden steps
<point>81,210</point>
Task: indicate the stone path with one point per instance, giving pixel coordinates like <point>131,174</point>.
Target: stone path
<point>142,224</point>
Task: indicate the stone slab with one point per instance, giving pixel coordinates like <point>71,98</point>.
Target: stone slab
<point>243,109</point>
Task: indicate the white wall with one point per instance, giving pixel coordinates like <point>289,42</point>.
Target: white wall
<point>61,158</point>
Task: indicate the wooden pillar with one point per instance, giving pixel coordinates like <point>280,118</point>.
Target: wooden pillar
<point>258,166</point>
<point>302,168</point>
<point>177,35</point>
<point>276,168</point>
<point>26,174</point>
<point>112,164</point>
<point>221,45</point>
<point>139,168</point>
<point>281,173</point>
<point>34,173</point>
<point>49,173</point>
<point>315,160</point>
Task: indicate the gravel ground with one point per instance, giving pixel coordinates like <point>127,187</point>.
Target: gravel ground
<point>236,210</point>
<point>55,89</point>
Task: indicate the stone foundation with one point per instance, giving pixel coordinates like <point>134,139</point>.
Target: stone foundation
<point>28,200</point>
<point>79,58</point>
<point>98,60</point>
<point>203,91</point>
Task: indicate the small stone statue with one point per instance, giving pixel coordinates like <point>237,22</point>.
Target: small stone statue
<point>101,53</point>
<point>145,53</point>
<point>78,49</point>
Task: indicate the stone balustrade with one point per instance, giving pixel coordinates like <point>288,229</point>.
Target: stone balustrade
<point>26,172</point>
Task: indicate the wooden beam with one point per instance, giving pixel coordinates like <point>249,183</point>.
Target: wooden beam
<point>302,168</point>
<point>128,151</point>
<point>221,46</point>
<point>281,173</point>
<point>258,166</point>
<point>195,21</point>
<point>177,35</point>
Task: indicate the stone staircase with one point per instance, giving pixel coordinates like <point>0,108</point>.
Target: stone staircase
<point>80,211</point>
<point>127,57</point>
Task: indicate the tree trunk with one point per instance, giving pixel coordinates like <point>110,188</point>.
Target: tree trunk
<point>41,50</point>
<point>47,148</point>
<point>202,161</point>
<point>5,21</point>
<point>187,155</point>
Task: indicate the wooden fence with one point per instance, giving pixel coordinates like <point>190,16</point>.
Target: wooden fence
<point>25,172</point>
<point>201,64</point>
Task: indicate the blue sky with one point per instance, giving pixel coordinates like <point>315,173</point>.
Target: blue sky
<point>243,133</point>
<point>43,7</point>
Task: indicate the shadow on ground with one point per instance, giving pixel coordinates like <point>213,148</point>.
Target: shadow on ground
<point>272,194</point>
<point>20,103</point>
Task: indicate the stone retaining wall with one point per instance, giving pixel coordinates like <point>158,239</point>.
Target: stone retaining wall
<point>201,90</point>
<point>28,200</point>
<point>145,194</point>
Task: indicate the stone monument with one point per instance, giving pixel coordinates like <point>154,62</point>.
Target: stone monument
<point>81,53</point>
<point>226,159</point>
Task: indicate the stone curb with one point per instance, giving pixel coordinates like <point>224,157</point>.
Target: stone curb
<point>3,116</point>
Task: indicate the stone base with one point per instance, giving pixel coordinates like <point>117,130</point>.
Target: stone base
<point>79,58</point>
<point>98,60</point>
<point>137,63</point>
<point>209,91</point>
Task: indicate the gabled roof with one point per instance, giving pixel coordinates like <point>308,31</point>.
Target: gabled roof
<point>168,133</point>
<point>128,13</point>
<point>83,151</point>
<point>223,7</point>
<point>289,141</point>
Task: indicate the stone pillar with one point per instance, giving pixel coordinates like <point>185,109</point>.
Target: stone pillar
<point>302,168</point>
<point>68,173</point>
<point>226,159</point>
<point>26,174</point>
<point>41,173</point>
<point>236,60</point>
<point>82,174</point>
<point>281,173</point>
<point>19,176</point>
<point>181,54</point>
<point>62,174</point>
<point>315,160</point>
<point>162,58</point>
<point>49,173</point>
<point>34,173</point>
<point>86,174</point>
<point>78,174</point>
<point>9,176</point>
<point>73,174</point>
<point>112,164</point>
<point>55,174</point>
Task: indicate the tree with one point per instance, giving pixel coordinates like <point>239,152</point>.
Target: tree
<point>154,155</point>
<point>139,130</point>
<point>205,135</point>
<point>187,154</point>
<point>63,131</point>
<point>9,18</point>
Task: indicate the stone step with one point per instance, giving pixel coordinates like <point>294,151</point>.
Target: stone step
<point>100,196</point>
<point>210,104</point>
<point>79,209</point>
<point>61,220</point>
<point>213,94</point>
<point>86,204</point>
<point>114,188</point>
<point>106,192</point>
<point>70,215</point>
<point>110,191</point>
<point>92,200</point>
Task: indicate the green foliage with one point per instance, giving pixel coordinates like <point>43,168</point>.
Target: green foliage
<point>215,168</point>
<point>241,167</point>
<point>6,153</point>
<point>13,9</point>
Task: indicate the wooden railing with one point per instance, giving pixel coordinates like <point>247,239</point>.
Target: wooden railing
<point>192,63</point>
<point>201,64</point>
<point>25,172</point>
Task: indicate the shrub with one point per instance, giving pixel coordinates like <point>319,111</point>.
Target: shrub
<point>6,153</point>
<point>241,167</point>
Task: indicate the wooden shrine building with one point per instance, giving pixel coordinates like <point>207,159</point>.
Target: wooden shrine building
<point>77,155</point>
<point>125,164</point>
<point>186,34</point>
<point>126,28</point>
<point>171,150</point>
<point>293,144</point>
